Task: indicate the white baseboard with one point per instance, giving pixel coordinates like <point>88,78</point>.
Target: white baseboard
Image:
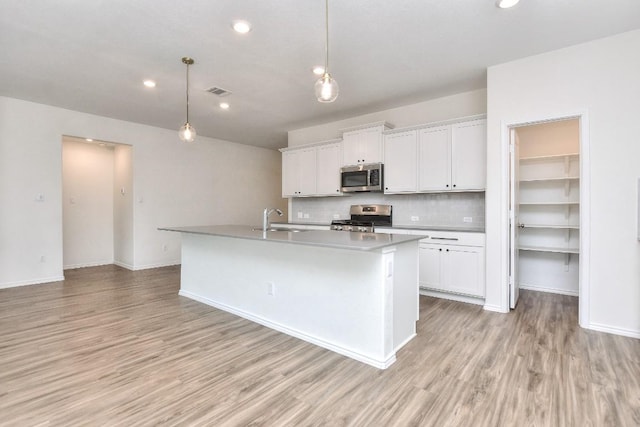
<point>148,266</point>
<point>31,282</point>
<point>123,265</point>
<point>614,330</point>
<point>380,364</point>
<point>84,265</point>
<point>452,297</point>
<point>548,290</point>
<point>495,308</point>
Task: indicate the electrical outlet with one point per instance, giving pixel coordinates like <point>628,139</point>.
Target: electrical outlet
<point>336,216</point>
<point>271,289</point>
<point>165,248</point>
<point>467,219</point>
<point>415,218</point>
<point>299,215</point>
<point>306,216</point>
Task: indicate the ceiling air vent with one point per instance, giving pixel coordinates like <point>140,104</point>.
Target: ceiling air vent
<point>219,91</point>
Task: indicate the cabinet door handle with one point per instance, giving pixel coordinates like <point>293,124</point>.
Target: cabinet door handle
<point>444,238</point>
<point>454,186</point>
<point>440,249</point>
<point>447,185</point>
<point>447,250</point>
<point>521,226</point>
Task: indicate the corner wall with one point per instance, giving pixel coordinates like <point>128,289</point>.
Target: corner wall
<point>600,78</point>
<point>209,182</point>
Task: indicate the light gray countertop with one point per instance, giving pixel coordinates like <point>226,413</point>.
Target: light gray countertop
<point>329,239</point>
<point>400,227</point>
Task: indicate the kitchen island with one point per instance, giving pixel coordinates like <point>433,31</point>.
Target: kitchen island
<point>352,293</point>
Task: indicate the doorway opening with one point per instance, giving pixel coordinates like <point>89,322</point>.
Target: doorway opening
<point>97,203</point>
<point>546,212</point>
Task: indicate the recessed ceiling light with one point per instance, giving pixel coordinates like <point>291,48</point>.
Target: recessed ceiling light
<point>149,83</point>
<point>224,105</point>
<point>88,139</point>
<point>505,4</point>
<point>318,70</point>
<point>242,27</point>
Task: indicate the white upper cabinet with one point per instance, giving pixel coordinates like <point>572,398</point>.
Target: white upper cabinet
<point>469,155</point>
<point>362,146</point>
<point>299,172</point>
<point>328,160</point>
<point>401,162</point>
<point>312,171</point>
<point>453,157</point>
<point>435,159</point>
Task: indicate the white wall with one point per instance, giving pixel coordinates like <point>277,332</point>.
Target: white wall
<point>601,78</point>
<point>561,137</point>
<point>209,182</point>
<point>87,204</point>
<point>435,110</point>
<point>123,206</point>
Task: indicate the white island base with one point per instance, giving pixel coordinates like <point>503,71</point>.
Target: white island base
<point>360,303</point>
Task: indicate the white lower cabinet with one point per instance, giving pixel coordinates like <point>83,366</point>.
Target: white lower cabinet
<point>453,262</point>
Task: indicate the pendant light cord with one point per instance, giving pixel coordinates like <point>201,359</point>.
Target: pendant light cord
<point>326,50</point>
<point>187,93</point>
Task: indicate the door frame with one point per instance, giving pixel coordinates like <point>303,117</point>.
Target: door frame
<point>585,201</point>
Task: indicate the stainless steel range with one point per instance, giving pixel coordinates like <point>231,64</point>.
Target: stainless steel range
<point>364,218</point>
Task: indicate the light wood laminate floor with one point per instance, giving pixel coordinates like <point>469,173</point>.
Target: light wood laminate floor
<point>113,347</point>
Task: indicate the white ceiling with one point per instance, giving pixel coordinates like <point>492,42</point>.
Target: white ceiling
<point>92,56</point>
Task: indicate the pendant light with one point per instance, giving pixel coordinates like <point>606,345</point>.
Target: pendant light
<point>326,86</point>
<point>187,133</point>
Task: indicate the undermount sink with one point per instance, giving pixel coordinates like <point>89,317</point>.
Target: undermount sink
<point>293,230</point>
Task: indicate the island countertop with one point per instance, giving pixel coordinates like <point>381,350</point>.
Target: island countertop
<point>329,239</point>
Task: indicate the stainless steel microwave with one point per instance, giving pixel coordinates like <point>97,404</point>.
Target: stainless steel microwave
<point>364,177</point>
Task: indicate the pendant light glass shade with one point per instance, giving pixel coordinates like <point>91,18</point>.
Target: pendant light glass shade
<point>187,133</point>
<point>327,88</point>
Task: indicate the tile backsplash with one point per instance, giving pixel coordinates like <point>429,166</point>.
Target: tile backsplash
<point>426,209</point>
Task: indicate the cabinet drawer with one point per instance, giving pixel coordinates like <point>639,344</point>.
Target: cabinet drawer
<point>454,238</point>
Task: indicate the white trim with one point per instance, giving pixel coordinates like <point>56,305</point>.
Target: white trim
<point>158,265</point>
<point>380,364</point>
<point>88,264</point>
<point>311,145</point>
<point>7,285</point>
<point>453,297</point>
<point>402,344</point>
<point>436,124</point>
<point>537,288</point>
<point>494,308</point>
<point>123,265</point>
<point>585,205</point>
<point>383,124</point>
<point>584,273</point>
<point>614,330</point>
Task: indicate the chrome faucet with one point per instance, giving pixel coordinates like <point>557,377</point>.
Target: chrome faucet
<point>265,217</point>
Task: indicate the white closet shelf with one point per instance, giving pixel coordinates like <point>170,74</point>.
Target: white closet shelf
<point>551,157</point>
<point>548,203</point>
<point>553,226</point>
<point>559,178</point>
<point>550,249</point>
